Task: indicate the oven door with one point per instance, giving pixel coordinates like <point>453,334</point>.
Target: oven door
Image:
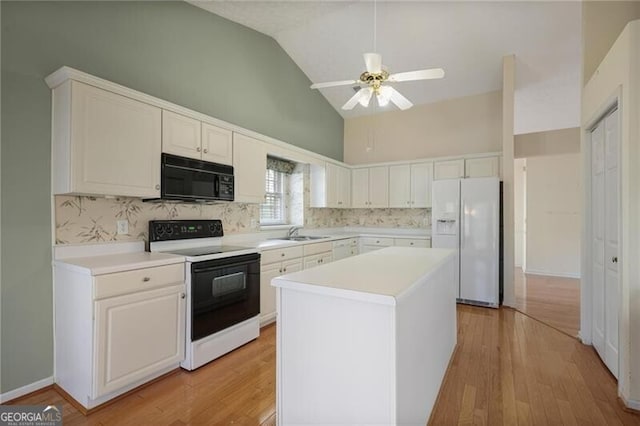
<point>224,292</point>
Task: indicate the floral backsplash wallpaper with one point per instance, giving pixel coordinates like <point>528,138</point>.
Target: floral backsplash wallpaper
<point>93,220</point>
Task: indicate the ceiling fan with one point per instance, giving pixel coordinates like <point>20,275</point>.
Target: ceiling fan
<point>374,80</point>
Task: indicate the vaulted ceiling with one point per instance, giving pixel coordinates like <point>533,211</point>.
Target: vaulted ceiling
<point>468,39</point>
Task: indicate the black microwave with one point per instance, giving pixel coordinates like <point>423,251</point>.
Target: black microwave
<point>186,179</point>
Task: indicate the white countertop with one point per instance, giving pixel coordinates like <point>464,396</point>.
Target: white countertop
<point>380,276</point>
<point>107,264</point>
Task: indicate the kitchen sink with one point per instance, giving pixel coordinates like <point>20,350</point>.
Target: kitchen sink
<point>299,238</point>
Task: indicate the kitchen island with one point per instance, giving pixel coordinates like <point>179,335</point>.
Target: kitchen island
<point>367,339</point>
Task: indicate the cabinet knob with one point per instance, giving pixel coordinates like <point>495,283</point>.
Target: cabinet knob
<point>614,259</point>
<point>410,244</point>
<point>198,149</point>
<point>146,279</point>
<point>158,186</point>
<point>182,295</point>
<point>284,269</point>
<point>280,270</point>
<point>282,254</point>
<point>205,150</point>
<point>408,202</point>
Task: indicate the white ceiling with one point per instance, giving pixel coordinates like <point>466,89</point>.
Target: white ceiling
<point>468,39</point>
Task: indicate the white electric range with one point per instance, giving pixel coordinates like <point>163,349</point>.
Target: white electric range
<point>223,287</point>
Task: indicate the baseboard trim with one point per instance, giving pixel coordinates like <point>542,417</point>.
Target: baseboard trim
<point>38,386</point>
<point>631,405</point>
<point>551,274</point>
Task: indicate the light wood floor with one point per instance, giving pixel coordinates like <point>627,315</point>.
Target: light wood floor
<point>508,369</point>
<point>552,300</point>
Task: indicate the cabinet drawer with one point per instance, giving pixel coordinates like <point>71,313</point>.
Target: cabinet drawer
<point>140,279</point>
<point>316,248</point>
<point>317,260</point>
<point>412,242</point>
<point>353,242</point>
<point>277,255</point>
<point>376,241</point>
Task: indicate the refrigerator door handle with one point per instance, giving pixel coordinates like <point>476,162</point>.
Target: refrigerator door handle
<point>461,230</point>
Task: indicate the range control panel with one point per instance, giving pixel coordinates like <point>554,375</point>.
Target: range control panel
<point>166,230</point>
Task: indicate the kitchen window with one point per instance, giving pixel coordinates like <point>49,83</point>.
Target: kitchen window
<point>274,211</point>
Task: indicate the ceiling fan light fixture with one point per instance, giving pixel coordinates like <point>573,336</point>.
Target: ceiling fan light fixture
<point>365,96</point>
<point>383,95</point>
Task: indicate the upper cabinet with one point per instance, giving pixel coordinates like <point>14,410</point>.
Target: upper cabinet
<point>410,185</point>
<point>330,186</point>
<point>104,143</point>
<point>450,169</point>
<point>482,167</point>
<point>370,187</point>
<point>188,137</point>
<point>467,168</point>
<point>217,145</point>
<point>250,169</point>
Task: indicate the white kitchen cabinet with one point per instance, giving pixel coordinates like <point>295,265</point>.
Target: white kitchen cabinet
<point>482,167</point>
<point>136,334</point>
<point>188,137</point>
<point>410,185</point>
<point>345,248</point>
<point>412,242</point>
<point>181,135</point>
<point>104,143</point>
<point>117,330</point>
<point>368,244</point>
<point>268,272</point>
<point>370,187</point>
<point>330,186</point>
<point>217,144</point>
<point>250,168</point>
<point>450,169</point>
<point>318,259</point>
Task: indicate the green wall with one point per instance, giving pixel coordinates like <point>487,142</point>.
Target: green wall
<point>171,50</point>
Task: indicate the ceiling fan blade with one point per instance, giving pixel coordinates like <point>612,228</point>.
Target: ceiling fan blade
<point>400,101</point>
<point>417,75</point>
<point>366,96</point>
<point>373,63</point>
<point>334,83</point>
<point>361,94</point>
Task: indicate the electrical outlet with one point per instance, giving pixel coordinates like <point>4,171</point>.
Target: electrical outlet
<point>122,227</point>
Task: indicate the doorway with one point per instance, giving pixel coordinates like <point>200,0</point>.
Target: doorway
<point>547,206</point>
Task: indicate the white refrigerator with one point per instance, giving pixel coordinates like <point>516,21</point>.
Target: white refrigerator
<point>466,217</point>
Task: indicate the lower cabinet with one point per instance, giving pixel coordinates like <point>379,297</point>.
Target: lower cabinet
<point>267,292</point>
<point>116,331</point>
<point>137,334</point>
<point>318,259</point>
<point>368,244</point>
<point>345,248</point>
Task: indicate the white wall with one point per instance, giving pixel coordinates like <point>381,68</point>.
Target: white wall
<point>554,197</point>
<point>460,126</point>
<point>519,211</point>
<point>616,80</point>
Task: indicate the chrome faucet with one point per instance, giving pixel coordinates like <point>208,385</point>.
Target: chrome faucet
<point>293,231</point>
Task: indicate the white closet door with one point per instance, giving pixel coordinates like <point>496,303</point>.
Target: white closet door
<point>597,244</point>
<point>612,293</point>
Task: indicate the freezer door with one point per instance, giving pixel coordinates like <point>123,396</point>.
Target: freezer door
<point>450,242</point>
<point>479,240</point>
<point>445,210</point>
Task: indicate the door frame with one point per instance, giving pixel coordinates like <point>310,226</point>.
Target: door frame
<point>586,287</point>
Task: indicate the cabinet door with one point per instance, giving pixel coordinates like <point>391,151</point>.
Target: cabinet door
<point>250,168</point>
<point>292,266</point>
<point>360,188</point>
<point>452,169</point>
<point>181,135</point>
<point>116,144</point>
<point>312,261</point>
<point>137,335</point>
<point>379,186</point>
<point>332,177</point>
<point>411,242</point>
<point>344,187</point>
<point>421,179</point>
<point>217,145</point>
<point>400,186</point>
<point>482,167</point>
<point>268,292</point>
